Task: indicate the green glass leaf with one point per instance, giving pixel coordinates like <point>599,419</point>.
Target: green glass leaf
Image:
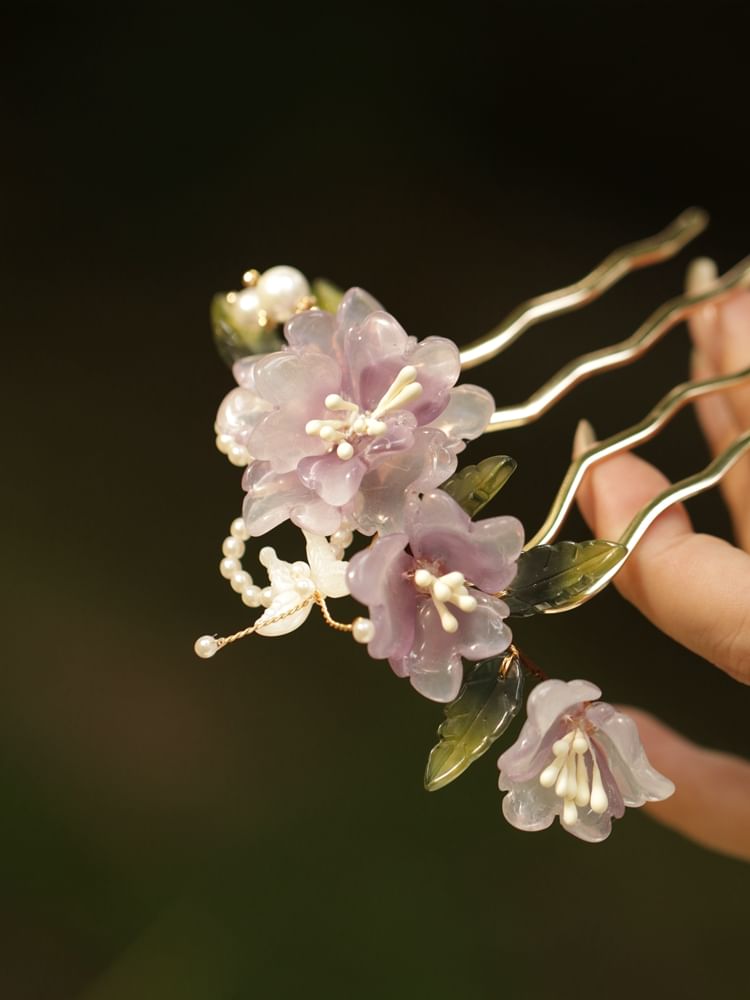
<point>473,487</point>
<point>555,577</point>
<point>485,706</point>
<point>233,341</point>
<point>328,295</point>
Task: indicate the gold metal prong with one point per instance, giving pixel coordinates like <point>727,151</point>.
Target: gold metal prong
<point>629,438</point>
<point>656,326</point>
<point>678,493</point>
<point>620,262</point>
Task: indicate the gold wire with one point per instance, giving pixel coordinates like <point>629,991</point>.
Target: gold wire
<point>339,626</point>
<point>620,262</point>
<point>225,640</point>
<point>659,323</point>
<point>644,430</point>
<point>679,492</point>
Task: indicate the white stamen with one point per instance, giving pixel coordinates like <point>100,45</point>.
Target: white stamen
<point>548,777</point>
<point>561,787</point>
<point>582,782</point>
<point>570,813</point>
<point>447,589</point>
<point>345,451</point>
<point>562,746</point>
<point>599,800</point>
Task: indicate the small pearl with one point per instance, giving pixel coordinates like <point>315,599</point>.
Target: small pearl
<point>342,538</point>
<point>206,646</point>
<point>244,308</point>
<point>233,548</point>
<point>239,530</point>
<point>304,587</point>
<point>228,567</point>
<point>224,442</point>
<point>240,581</point>
<point>280,289</point>
<point>251,597</point>
<point>238,455</point>
<point>266,596</point>
<point>363,630</point>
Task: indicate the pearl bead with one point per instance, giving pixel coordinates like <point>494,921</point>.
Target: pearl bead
<point>206,646</point>
<point>238,455</point>
<point>266,596</point>
<point>239,530</point>
<point>243,308</point>
<point>342,538</point>
<point>280,289</point>
<point>363,630</point>
<point>304,587</point>
<point>233,548</point>
<point>224,442</point>
<point>240,581</point>
<point>228,567</point>
<point>251,597</point>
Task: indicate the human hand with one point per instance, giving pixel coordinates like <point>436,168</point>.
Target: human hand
<point>711,615</point>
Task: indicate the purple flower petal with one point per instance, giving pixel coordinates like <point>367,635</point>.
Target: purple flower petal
<point>313,329</point>
<point>467,414</point>
<point>378,578</point>
<point>438,366</point>
<point>637,779</point>
<point>334,480</point>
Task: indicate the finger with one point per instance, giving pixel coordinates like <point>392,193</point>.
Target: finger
<point>696,588</point>
<point>711,804</point>
<point>721,333</point>
<point>720,429</point>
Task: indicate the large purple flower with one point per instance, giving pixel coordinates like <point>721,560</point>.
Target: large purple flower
<point>409,579</point>
<point>579,759</point>
<point>347,420</point>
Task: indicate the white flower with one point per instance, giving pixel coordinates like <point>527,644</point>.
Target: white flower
<point>294,586</point>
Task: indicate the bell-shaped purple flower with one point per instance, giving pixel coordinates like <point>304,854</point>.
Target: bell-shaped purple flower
<point>348,420</point>
<point>579,759</point>
<point>431,591</point>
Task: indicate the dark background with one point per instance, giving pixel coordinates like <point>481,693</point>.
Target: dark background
<point>255,826</point>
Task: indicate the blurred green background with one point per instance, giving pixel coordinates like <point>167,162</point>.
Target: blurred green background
<point>255,825</point>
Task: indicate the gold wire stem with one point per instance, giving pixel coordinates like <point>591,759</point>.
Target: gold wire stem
<point>679,492</point>
<point>620,262</point>
<point>227,639</point>
<point>629,438</point>
<point>339,626</point>
<point>656,326</point>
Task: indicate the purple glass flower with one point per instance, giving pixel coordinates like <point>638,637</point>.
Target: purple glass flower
<point>579,759</point>
<point>409,579</point>
<point>347,420</point>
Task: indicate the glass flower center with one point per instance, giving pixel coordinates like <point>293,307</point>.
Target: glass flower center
<point>569,774</point>
<point>354,423</point>
<point>450,588</point>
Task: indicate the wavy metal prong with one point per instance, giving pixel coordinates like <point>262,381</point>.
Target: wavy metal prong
<point>656,326</point>
<point>629,438</point>
<point>679,492</point>
<point>619,263</point>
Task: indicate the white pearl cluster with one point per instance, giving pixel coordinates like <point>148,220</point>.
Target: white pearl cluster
<point>230,567</point>
<point>236,453</point>
<point>341,540</point>
<point>269,298</point>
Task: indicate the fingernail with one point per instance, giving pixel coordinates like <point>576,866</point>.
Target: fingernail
<point>701,274</point>
<point>584,438</point>
<point>704,326</point>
